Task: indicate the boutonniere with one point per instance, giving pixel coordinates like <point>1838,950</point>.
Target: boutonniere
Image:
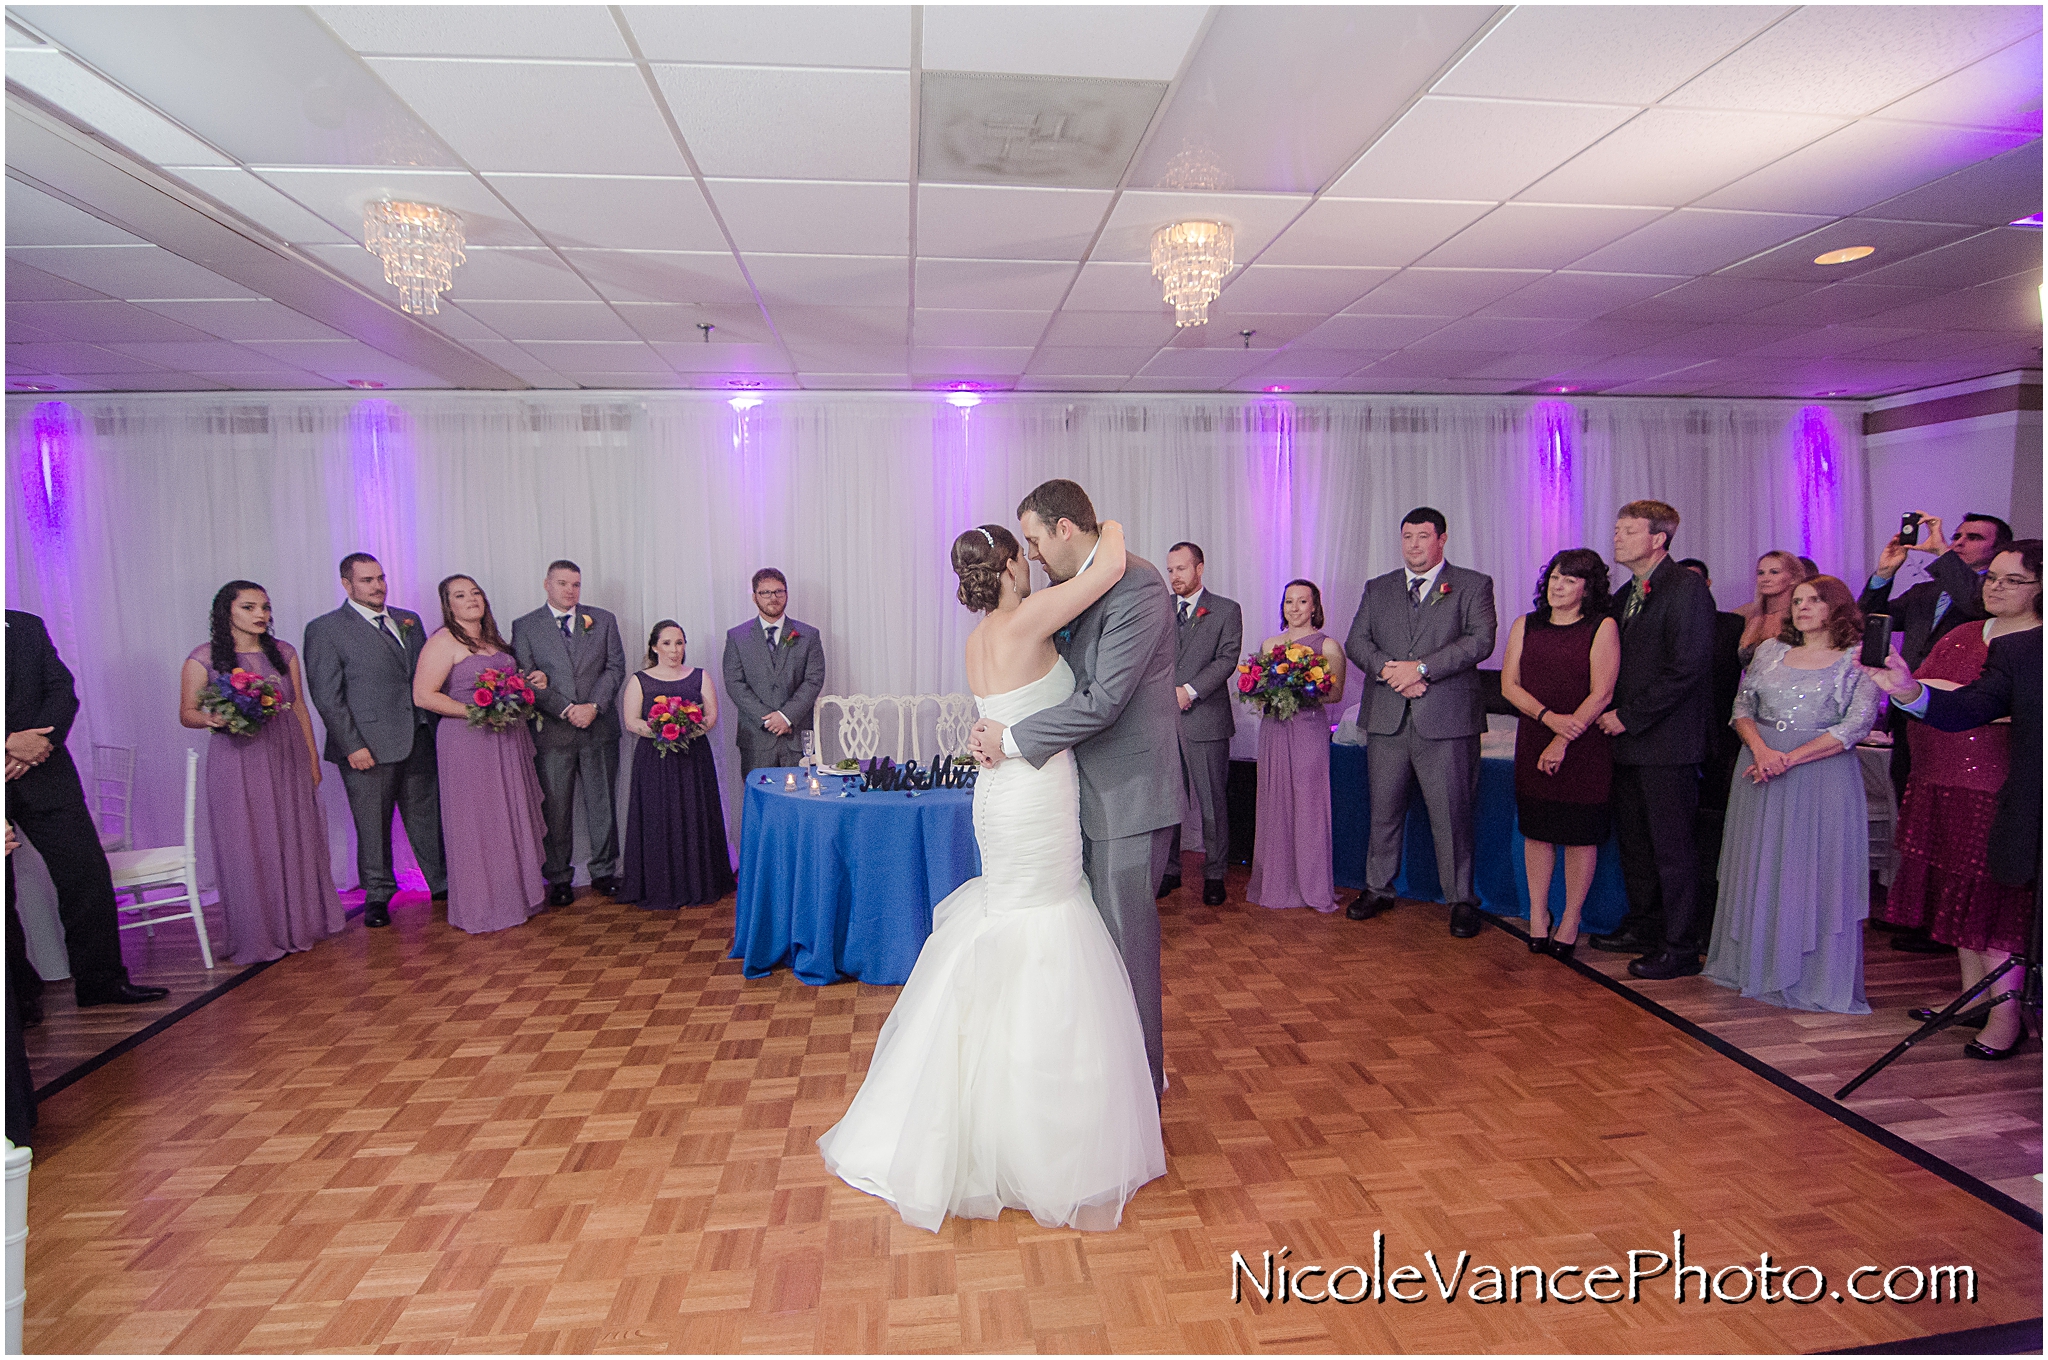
<point>790,641</point>
<point>1443,588</point>
<point>405,623</point>
<point>588,623</point>
<point>1064,635</point>
<point>1202,612</point>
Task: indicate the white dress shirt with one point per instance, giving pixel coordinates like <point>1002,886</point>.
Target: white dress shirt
<point>1193,602</point>
<point>371,616</point>
<point>1428,579</point>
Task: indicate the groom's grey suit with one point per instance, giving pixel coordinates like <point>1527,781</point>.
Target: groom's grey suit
<point>360,680</point>
<point>1122,724</point>
<point>586,667</point>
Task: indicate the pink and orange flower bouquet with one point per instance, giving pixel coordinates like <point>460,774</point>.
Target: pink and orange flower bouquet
<point>676,722</point>
<point>1283,680</point>
<point>246,699</point>
<point>501,700</point>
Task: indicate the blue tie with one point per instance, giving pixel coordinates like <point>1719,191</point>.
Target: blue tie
<point>564,621</point>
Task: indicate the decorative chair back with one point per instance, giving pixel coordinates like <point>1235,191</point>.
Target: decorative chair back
<point>858,730</point>
<point>949,718</point>
<point>113,786</point>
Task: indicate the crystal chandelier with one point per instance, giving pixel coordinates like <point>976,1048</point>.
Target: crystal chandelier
<point>420,246</point>
<point>1191,258</point>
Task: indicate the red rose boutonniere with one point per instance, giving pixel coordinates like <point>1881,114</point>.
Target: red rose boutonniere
<point>790,641</point>
<point>1202,612</point>
<point>1443,588</point>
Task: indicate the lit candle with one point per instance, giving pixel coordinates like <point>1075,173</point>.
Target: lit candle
<point>789,781</point>
<point>816,787</point>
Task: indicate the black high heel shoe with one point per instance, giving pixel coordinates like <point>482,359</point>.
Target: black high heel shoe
<point>1539,944</point>
<point>1977,1048</point>
<point>1563,952</point>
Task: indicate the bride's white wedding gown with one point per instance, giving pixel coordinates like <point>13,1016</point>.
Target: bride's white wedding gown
<point>1012,1071</point>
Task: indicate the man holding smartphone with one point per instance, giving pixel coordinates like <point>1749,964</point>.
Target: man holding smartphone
<point>1924,613</point>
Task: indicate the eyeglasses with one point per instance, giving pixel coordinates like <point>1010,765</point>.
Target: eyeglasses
<point>2011,581</point>
<point>771,594</point>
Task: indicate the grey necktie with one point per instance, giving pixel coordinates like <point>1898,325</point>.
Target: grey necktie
<point>1187,612</point>
<point>1415,592</point>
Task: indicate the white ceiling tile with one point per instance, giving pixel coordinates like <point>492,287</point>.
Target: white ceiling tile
<point>1441,292</point>
<point>799,218</point>
<point>339,197</point>
<point>792,123</point>
<point>508,115</point>
<point>1255,219</point>
<point>978,329</point>
<point>502,275</point>
<point>101,321</point>
<point>831,280</point>
<point>1667,157</point>
<point>1143,329</point>
<point>1375,232</point>
<point>1537,235</point>
<point>99,104</point>
<point>26,283</point>
<point>994,221</point>
<point>1369,332</point>
<point>541,31</point>
<point>689,357</point>
<point>1622,54</point>
<point>36,219</point>
<point>1894,242</point>
<point>1069,383</point>
<point>1299,288</point>
<point>711,277</point>
<point>1841,302</point>
<point>1849,61</point>
<point>1296,362</point>
<point>1990,193</point>
<point>457,324</point>
<point>251,319</point>
<point>853,382</point>
<point>1697,241</point>
<point>1115,288</point>
<point>1717,340</point>
<point>1991,306</point>
<point>1994,254</point>
<point>1011,284</point>
<point>969,362</point>
<point>1503,148</point>
<point>213,355</point>
<point>778,35</point>
<point>1864,163</point>
<point>74,357</point>
<point>1713,298</point>
<point>1412,366</point>
<point>596,356</point>
<point>1580,294</point>
<point>1270,330</point>
<point>2001,91</point>
<point>1215,364</point>
<point>882,326</point>
<point>260,203</point>
<point>615,213</point>
<point>839,357</point>
<point>132,272</point>
<point>1084,360</point>
<point>524,321</point>
<point>1494,333</point>
<point>1120,42</point>
<point>669,323</point>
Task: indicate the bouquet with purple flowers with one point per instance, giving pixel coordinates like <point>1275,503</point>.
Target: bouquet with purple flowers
<point>246,699</point>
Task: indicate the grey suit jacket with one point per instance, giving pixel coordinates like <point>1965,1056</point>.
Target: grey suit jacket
<point>1122,721</point>
<point>590,670</point>
<point>1205,655</point>
<point>361,684</point>
<point>1451,633</point>
<point>758,683</point>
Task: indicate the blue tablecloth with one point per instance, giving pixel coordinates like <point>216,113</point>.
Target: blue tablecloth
<point>844,887</point>
<point>1498,873</point>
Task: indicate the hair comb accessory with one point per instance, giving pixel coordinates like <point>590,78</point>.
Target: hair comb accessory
<point>987,535</point>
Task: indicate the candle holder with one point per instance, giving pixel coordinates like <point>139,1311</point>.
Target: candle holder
<point>816,787</point>
<point>789,781</point>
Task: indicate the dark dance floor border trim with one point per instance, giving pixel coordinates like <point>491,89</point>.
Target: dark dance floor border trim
<point>1917,1155</point>
<point>2004,1338</point>
<point>148,1032</point>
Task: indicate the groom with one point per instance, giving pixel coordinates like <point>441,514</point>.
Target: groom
<point>1122,723</point>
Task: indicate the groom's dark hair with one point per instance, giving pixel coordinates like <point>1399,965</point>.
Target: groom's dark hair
<point>1060,499</point>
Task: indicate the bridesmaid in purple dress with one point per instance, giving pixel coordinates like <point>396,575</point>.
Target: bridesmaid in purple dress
<point>1291,864</point>
<point>675,828</point>
<point>490,797</point>
<point>269,836</point>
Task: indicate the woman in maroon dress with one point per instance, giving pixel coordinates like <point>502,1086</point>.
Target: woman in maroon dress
<point>269,835</point>
<point>676,854</point>
<point>1944,882</point>
<point>1559,674</point>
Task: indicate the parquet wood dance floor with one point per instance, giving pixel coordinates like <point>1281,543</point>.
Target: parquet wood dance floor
<point>591,1133</point>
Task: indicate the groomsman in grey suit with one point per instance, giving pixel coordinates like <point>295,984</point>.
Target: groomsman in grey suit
<point>1208,632</point>
<point>1122,724</point>
<point>1419,636</point>
<point>359,662</point>
<point>577,742</point>
<point>774,672</point>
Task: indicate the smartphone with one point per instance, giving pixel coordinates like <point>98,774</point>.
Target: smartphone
<point>1877,639</point>
<point>1909,528</point>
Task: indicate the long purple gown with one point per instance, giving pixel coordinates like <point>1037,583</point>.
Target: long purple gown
<point>1291,864</point>
<point>269,835</point>
<point>675,828</point>
<point>491,826</point>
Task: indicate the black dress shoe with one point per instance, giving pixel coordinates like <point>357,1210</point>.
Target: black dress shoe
<point>561,894</point>
<point>31,1012</point>
<point>1626,942</point>
<point>376,914</point>
<point>441,896</point>
<point>1665,965</point>
<point>1464,920</point>
<point>606,886</point>
<point>1168,884</point>
<point>1919,942</point>
<point>1366,906</point>
<point>1975,1017</point>
<point>1212,892</point>
<point>1978,1049</point>
<point>120,994</point>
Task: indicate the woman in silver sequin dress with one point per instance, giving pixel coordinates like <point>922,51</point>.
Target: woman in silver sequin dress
<point>1795,858</point>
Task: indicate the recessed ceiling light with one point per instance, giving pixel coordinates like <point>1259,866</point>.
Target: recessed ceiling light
<point>744,402</point>
<point>1564,389</point>
<point>2034,222</point>
<point>1277,387</point>
<point>365,384</point>
<point>37,387</point>
<point>963,400</point>
<point>1845,254</point>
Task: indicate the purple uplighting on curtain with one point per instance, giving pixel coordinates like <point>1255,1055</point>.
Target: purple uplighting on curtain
<point>1273,494</point>
<point>48,444</point>
<point>1553,502</point>
<point>381,471</point>
<point>1819,475</point>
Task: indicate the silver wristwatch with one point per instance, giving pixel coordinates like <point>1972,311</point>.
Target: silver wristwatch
<point>1422,669</point>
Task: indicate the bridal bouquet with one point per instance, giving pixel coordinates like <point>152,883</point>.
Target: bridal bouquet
<point>675,721</point>
<point>501,701</point>
<point>247,700</point>
<point>1283,680</point>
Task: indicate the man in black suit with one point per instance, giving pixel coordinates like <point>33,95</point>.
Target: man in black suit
<point>46,803</point>
<point>1208,633</point>
<point>1723,745</point>
<point>1659,728</point>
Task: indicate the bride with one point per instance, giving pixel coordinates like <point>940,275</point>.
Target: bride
<point>1012,1071</point>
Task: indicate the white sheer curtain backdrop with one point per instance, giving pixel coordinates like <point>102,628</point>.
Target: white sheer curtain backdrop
<point>126,512</point>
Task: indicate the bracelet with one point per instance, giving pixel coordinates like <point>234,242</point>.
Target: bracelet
<point>1544,714</point>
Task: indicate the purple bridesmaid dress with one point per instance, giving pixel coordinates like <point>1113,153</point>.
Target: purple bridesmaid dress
<point>1291,864</point>
<point>491,826</point>
<point>269,835</point>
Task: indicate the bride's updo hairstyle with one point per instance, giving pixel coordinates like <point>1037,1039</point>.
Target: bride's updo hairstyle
<point>979,557</point>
